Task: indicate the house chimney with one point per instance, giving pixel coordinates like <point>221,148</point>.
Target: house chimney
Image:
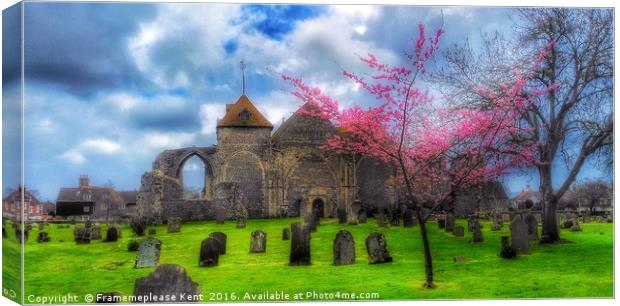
<point>84,180</point>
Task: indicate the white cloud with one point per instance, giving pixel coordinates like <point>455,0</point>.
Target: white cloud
<point>209,114</point>
<point>100,145</point>
<point>73,156</point>
<point>157,141</point>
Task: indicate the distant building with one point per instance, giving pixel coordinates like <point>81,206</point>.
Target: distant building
<point>93,202</point>
<point>33,209</point>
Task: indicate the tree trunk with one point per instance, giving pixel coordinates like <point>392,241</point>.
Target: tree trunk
<point>428,259</point>
<point>550,228</point>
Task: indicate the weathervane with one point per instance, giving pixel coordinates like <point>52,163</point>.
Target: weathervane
<point>242,64</point>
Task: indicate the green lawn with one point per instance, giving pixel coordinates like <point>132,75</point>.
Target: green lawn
<point>582,268</point>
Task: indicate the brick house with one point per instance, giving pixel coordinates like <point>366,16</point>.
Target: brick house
<point>33,209</point>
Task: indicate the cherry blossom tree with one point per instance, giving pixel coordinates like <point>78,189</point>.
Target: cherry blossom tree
<point>437,149</point>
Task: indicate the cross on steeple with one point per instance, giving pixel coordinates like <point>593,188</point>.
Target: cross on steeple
<point>242,65</point>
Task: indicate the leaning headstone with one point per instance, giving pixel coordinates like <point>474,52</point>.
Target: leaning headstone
<point>408,219</point>
<point>300,244</point>
<point>459,231</point>
<point>148,253</point>
<point>111,234</point>
<point>167,280</point>
<point>532,226</point>
<point>441,223</point>
<point>174,225</point>
<point>43,237</point>
<point>506,250</point>
<point>81,235</point>
<point>362,216</point>
<point>95,232</point>
<point>342,215</point>
<point>519,235</point>
<point>376,246</point>
<point>449,222</point>
<point>221,239</point>
<point>344,248</point>
<point>477,232</point>
<point>209,253</point>
<point>258,242</point>
<point>286,234</point>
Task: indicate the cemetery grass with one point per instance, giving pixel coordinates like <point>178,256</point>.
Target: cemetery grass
<point>582,267</point>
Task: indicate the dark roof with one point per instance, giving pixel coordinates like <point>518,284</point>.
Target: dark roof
<point>96,193</point>
<point>233,118</point>
<point>129,196</point>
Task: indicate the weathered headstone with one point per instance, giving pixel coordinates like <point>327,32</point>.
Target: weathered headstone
<point>362,216</point>
<point>220,214</point>
<point>353,213</point>
<point>449,222</point>
<point>258,242</point>
<point>342,215</point>
<point>152,231</point>
<point>471,220</point>
<point>532,226</point>
<point>575,227</point>
<point>43,237</point>
<point>459,231</point>
<point>519,235</point>
<point>380,219</point>
<point>209,252</point>
<point>240,222</point>
<point>506,250</point>
<point>138,225</point>
<point>167,280</point>
<point>286,235</point>
<point>95,232</point>
<point>174,225</point>
<point>241,214</point>
<point>408,218</point>
<point>300,244</point>
<point>441,223</point>
<point>111,234</point>
<point>344,248</point>
<point>477,232</point>
<point>81,235</point>
<point>567,224</point>
<point>376,246</point>
<point>395,219</point>
<point>586,216</point>
<point>119,232</point>
<point>221,239</point>
<point>148,253</point>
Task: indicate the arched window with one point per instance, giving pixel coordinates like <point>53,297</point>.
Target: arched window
<point>193,176</point>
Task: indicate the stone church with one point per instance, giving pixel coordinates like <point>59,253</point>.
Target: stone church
<point>281,173</point>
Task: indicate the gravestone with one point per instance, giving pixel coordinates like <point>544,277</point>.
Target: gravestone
<point>220,214</point>
<point>380,219</point>
<point>138,225</point>
<point>506,250</point>
<point>408,218</point>
<point>395,219</point>
<point>286,234</point>
<point>567,224</point>
<point>441,223</point>
<point>342,215</point>
<point>4,234</point>
<point>311,220</point>
<point>111,234</point>
<point>532,226</point>
<point>81,235</point>
<point>575,227</point>
<point>376,246</point>
<point>174,225</point>
<point>167,279</point>
<point>496,226</point>
<point>362,216</point>
<point>221,239</point>
<point>209,252</point>
<point>133,246</point>
<point>240,222</point>
<point>258,242</point>
<point>499,220</point>
<point>21,236</point>
<point>43,237</point>
<point>586,216</point>
<point>600,219</point>
<point>344,248</point>
<point>477,232</point>
<point>152,231</point>
<point>300,244</point>
<point>459,231</point>
<point>148,253</point>
<point>449,222</point>
<point>519,235</point>
<point>353,215</point>
<point>241,214</point>
<point>119,232</point>
<point>95,232</point>
<point>41,226</point>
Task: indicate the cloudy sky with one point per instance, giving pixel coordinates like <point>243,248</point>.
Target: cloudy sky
<point>108,86</point>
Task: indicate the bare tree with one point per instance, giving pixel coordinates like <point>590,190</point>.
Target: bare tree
<point>570,125</point>
<point>593,194</point>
